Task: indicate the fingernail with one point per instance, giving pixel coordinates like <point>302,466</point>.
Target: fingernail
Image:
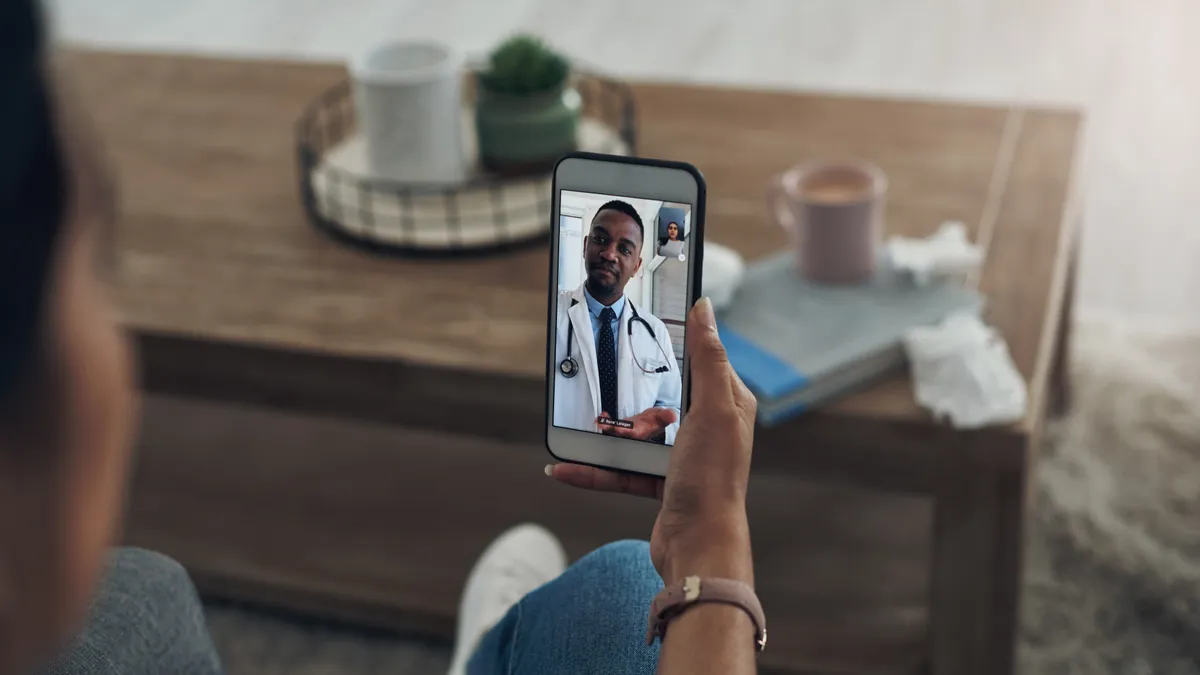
<point>707,317</point>
<point>549,470</point>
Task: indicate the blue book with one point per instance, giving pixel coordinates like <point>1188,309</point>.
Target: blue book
<point>797,344</point>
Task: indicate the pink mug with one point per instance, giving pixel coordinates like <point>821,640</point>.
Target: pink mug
<point>834,212</point>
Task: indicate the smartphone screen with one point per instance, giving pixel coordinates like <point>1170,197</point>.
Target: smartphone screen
<point>624,276</point>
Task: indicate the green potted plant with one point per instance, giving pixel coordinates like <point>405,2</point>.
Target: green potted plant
<point>526,112</point>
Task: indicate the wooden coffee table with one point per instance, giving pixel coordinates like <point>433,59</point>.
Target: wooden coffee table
<point>342,433</point>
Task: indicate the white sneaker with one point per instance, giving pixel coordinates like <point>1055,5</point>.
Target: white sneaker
<point>517,562</point>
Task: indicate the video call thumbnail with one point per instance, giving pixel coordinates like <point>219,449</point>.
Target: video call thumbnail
<point>621,308</point>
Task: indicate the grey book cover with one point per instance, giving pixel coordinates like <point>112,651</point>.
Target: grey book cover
<point>796,343</point>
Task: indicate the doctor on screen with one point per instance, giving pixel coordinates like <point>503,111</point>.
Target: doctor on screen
<point>614,359</point>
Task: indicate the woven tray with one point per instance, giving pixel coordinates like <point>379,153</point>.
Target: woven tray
<point>486,213</point>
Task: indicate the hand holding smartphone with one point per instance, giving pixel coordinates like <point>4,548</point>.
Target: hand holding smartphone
<point>626,262</point>
<point>624,341</point>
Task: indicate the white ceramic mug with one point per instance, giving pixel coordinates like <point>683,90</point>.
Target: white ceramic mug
<point>409,98</point>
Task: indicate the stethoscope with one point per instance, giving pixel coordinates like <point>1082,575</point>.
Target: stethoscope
<point>569,367</point>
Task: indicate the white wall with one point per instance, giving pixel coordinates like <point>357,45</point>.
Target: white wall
<point>670,299</point>
<point>641,286</point>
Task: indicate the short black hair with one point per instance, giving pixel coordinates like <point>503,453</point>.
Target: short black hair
<point>33,188</point>
<point>626,208</point>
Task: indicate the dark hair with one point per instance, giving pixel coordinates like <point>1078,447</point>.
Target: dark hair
<point>32,188</point>
<point>625,208</point>
<point>662,241</point>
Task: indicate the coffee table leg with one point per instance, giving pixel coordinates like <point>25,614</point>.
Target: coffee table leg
<point>977,553</point>
<point>1060,377</point>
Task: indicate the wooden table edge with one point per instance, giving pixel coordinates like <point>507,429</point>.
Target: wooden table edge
<point>1069,233</point>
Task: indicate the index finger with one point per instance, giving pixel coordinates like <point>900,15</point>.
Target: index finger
<point>603,480</point>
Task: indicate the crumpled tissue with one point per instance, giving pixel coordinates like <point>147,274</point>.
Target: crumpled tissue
<point>723,272</point>
<point>946,253</point>
<point>962,371</point>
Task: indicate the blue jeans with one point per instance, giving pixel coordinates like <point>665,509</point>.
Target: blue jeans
<point>146,619</point>
<point>591,619</point>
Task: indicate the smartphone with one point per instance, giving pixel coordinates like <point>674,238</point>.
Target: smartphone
<point>625,264</point>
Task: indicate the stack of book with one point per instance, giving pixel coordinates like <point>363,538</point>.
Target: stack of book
<point>797,344</point>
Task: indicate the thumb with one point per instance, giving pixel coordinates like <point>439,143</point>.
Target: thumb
<point>709,363</point>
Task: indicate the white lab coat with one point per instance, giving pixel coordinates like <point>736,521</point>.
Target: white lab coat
<point>577,399</point>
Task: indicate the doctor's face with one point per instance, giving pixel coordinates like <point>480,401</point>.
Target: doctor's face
<point>613,254</point>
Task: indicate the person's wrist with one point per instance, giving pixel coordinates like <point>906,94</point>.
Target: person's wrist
<point>711,547</point>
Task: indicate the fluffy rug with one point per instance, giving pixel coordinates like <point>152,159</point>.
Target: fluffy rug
<point>1114,557</point>
<point>1113,563</point>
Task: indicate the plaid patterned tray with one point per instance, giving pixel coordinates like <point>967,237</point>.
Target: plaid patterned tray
<point>487,213</point>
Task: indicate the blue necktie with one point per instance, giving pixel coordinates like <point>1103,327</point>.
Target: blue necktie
<point>606,357</point>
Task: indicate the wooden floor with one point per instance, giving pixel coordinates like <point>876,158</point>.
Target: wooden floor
<point>1130,64</point>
